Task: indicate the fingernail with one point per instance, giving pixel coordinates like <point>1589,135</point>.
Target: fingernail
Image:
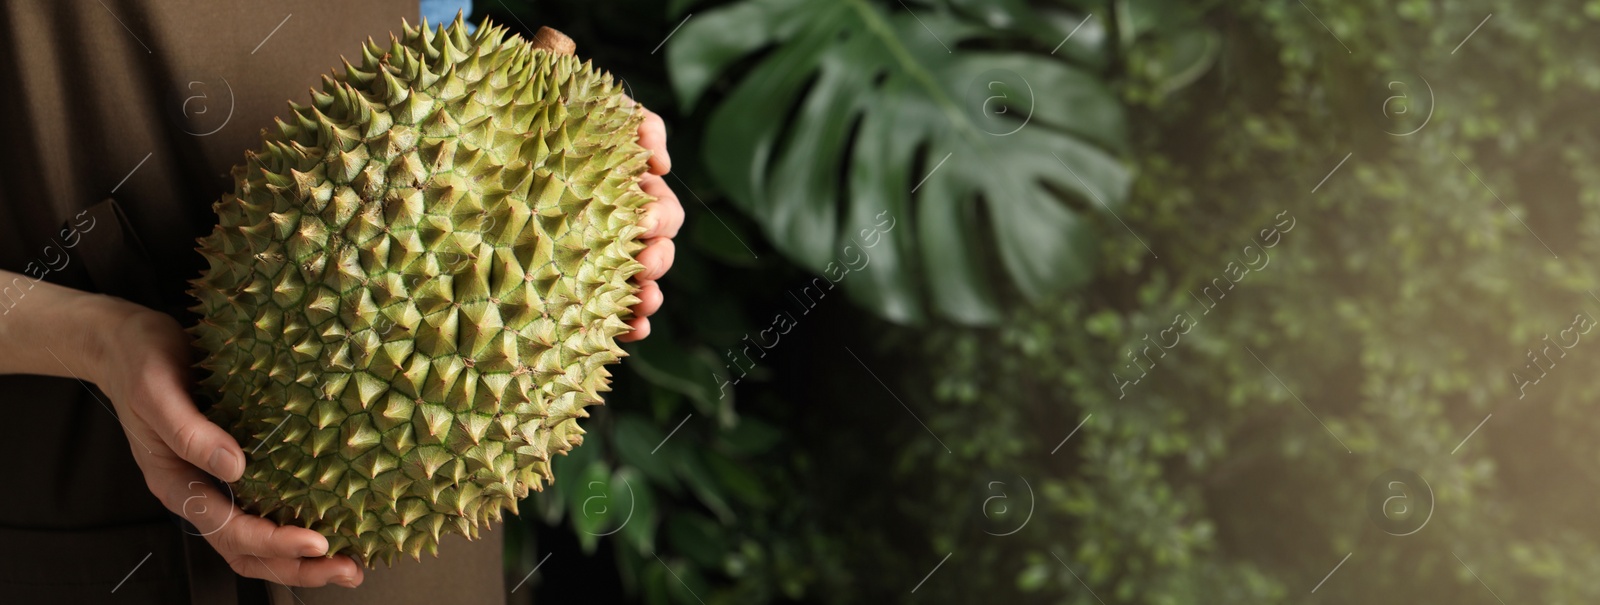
<point>649,223</point>
<point>345,581</point>
<point>312,550</point>
<point>225,465</point>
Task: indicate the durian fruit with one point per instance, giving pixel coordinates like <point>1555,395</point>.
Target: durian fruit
<point>416,285</point>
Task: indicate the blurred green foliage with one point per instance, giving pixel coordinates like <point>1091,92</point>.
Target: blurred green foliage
<point>955,113</point>
<point>1396,310</point>
<point>1384,329</point>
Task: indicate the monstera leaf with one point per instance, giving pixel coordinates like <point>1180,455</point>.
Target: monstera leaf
<point>903,157</point>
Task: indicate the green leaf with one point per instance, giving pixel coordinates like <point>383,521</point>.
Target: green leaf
<point>697,537</point>
<point>702,483</point>
<point>676,7</point>
<point>664,364</point>
<point>996,13</point>
<point>1071,33</point>
<point>738,481</point>
<point>721,241</point>
<point>1079,35</point>
<point>593,505</point>
<point>750,437</point>
<point>1140,17</point>
<point>549,506</point>
<point>569,471</point>
<point>638,524</point>
<point>631,569</point>
<point>1184,57</point>
<point>658,584</point>
<point>687,584</point>
<point>1033,577</point>
<point>909,164</point>
<point>636,438</point>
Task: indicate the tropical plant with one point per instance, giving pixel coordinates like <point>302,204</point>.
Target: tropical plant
<point>1418,317</point>
<point>1395,317</point>
<point>957,118</point>
<point>694,519</point>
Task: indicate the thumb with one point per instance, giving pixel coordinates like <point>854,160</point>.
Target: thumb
<point>168,410</point>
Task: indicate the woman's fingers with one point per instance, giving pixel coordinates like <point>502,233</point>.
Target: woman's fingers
<point>176,446</point>
<point>216,517</point>
<point>259,548</point>
<point>641,329</point>
<point>166,408</point>
<point>650,299</point>
<point>663,217</point>
<point>310,573</point>
<point>254,546</point>
<point>247,533</point>
<point>653,136</point>
<point>657,258</point>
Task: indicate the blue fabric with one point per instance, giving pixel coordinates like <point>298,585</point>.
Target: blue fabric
<point>437,12</point>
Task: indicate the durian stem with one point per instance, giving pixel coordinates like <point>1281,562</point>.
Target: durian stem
<point>554,42</point>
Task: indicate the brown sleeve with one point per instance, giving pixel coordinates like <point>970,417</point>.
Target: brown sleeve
<point>151,103</point>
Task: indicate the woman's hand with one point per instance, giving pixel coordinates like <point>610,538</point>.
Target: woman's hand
<point>662,219</point>
<point>143,368</point>
<point>140,358</point>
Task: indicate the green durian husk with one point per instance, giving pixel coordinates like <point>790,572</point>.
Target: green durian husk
<point>416,285</point>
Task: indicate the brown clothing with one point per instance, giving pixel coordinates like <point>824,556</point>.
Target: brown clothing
<point>149,103</point>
